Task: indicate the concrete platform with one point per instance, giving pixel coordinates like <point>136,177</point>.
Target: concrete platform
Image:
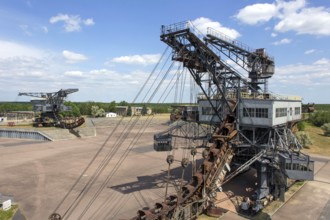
<point>38,175</point>
<point>312,201</point>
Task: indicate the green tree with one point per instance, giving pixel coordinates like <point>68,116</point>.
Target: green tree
<point>304,138</point>
<point>301,126</point>
<point>319,118</point>
<point>97,111</point>
<point>112,106</point>
<point>326,129</point>
<point>75,111</point>
<point>123,103</point>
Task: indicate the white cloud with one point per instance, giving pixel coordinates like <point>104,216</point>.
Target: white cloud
<point>323,61</point>
<point>203,23</point>
<point>288,7</point>
<point>145,59</point>
<point>283,41</point>
<point>273,35</point>
<point>13,49</point>
<point>74,73</point>
<point>292,15</point>
<point>88,22</point>
<point>72,57</point>
<point>314,21</point>
<point>257,13</point>
<point>72,23</point>
<point>317,73</point>
<point>310,51</point>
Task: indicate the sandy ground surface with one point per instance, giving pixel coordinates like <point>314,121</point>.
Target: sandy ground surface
<point>312,201</point>
<point>38,175</point>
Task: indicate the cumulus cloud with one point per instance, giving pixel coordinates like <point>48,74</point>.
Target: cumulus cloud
<point>203,23</point>
<point>145,59</point>
<point>323,61</point>
<point>292,15</point>
<point>257,13</point>
<point>13,49</point>
<point>317,73</point>
<point>283,41</point>
<point>23,67</point>
<point>72,57</point>
<point>315,21</point>
<point>72,23</point>
<point>74,73</point>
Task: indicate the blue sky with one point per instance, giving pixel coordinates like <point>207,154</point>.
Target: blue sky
<point>107,49</point>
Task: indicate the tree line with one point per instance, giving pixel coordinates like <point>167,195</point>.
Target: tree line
<point>87,108</point>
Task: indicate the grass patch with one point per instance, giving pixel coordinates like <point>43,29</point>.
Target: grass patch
<point>322,107</point>
<point>7,215</point>
<point>271,208</point>
<point>321,143</point>
<point>205,217</point>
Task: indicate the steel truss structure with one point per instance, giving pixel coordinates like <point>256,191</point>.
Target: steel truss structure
<point>271,149</point>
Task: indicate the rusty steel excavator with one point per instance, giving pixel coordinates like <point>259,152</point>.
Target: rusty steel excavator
<point>49,105</point>
<point>236,121</point>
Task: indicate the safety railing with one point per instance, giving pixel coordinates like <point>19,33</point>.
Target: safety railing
<point>222,36</point>
<point>247,95</point>
<point>240,45</point>
<point>181,26</point>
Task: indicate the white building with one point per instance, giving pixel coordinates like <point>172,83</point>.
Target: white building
<point>264,111</point>
<point>110,115</point>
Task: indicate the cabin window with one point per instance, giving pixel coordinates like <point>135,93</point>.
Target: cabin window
<point>297,110</point>
<point>248,112</point>
<point>261,112</point>
<point>255,112</point>
<point>281,112</point>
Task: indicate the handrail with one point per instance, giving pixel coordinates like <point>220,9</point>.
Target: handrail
<point>222,36</point>
<point>181,26</point>
<point>238,44</point>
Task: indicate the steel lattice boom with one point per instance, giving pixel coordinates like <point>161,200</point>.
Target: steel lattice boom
<point>248,126</point>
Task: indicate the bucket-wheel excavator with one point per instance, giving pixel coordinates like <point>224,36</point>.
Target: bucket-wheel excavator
<point>235,125</point>
<point>49,105</point>
<point>243,125</point>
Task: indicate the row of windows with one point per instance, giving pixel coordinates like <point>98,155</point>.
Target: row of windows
<point>263,112</point>
<point>281,112</point>
<point>255,112</point>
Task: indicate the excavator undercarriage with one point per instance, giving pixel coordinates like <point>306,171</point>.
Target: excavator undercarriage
<point>48,107</point>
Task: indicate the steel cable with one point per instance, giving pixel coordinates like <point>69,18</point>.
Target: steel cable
<point>127,132</point>
<point>103,145</point>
